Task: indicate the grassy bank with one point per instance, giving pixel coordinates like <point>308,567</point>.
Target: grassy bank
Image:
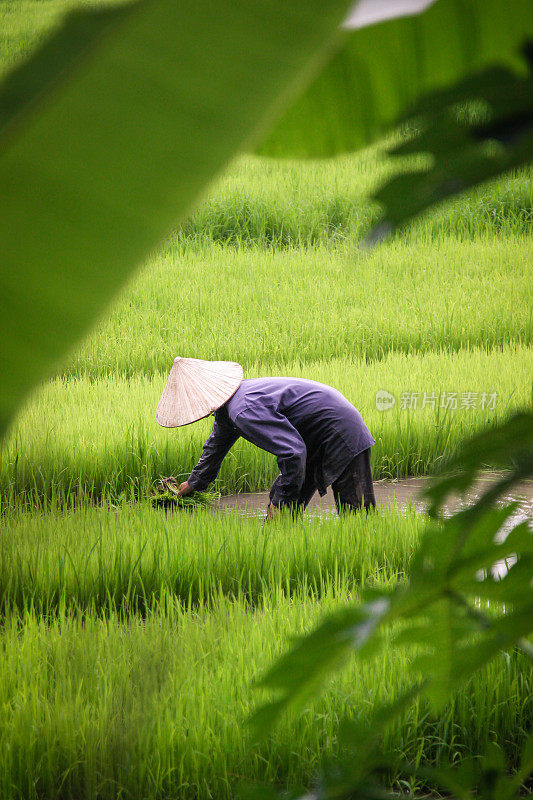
<point>89,438</point>
<point>157,707</point>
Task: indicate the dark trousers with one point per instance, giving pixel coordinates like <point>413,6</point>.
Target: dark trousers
<point>353,489</point>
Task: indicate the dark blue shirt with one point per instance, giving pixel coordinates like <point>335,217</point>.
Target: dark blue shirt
<point>307,425</point>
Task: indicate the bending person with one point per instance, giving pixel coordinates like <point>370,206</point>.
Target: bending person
<point>317,436</point>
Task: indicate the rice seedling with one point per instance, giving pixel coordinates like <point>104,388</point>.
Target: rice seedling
<point>165,495</point>
<point>98,708</point>
<point>307,305</point>
<point>127,558</point>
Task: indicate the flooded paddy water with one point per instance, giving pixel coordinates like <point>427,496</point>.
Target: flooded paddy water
<point>404,492</point>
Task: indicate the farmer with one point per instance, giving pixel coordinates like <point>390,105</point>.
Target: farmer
<point>318,437</point>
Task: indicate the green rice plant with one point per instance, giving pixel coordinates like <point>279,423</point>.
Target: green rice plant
<point>93,707</point>
<point>315,304</point>
<point>291,203</point>
<point>82,440</point>
<point>165,495</point>
<point>125,559</point>
<point>294,204</point>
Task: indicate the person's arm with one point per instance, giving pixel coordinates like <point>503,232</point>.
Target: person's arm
<point>270,430</point>
<point>222,438</point>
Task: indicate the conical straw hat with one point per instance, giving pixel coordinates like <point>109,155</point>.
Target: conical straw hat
<point>195,388</point>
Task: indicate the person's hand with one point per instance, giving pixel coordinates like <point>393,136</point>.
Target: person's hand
<point>184,489</point>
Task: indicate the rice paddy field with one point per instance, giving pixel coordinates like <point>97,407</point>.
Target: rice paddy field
<point>131,638</point>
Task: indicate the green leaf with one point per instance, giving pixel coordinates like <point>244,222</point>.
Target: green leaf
<point>360,743</point>
<point>451,553</point>
<point>478,549</point>
<point>513,588</point>
<point>515,585</point>
<point>383,70</point>
<point>435,639</point>
<point>483,776</point>
<point>464,153</point>
<point>503,634</point>
<point>110,132</point>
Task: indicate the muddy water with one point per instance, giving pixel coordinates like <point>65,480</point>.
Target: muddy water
<point>408,491</point>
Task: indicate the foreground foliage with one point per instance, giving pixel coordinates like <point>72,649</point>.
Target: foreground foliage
<point>439,615</point>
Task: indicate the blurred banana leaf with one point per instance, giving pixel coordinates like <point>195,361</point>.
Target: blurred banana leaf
<point>385,69</point>
<point>109,132</point>
<point>476,131</point>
